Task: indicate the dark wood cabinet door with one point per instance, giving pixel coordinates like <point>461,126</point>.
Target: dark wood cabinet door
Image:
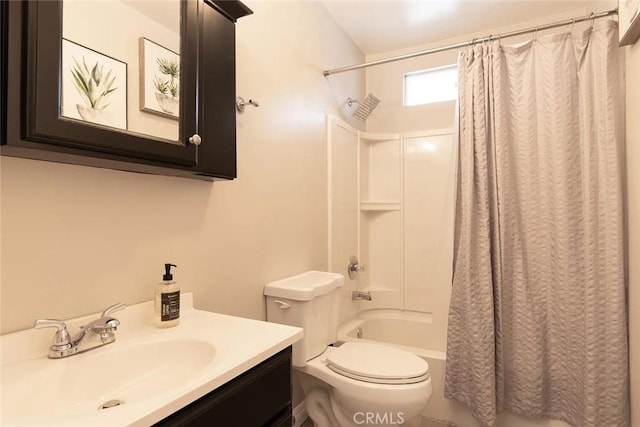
<point>32,126</point>
<point>217,121</point>
<point>259,397</point>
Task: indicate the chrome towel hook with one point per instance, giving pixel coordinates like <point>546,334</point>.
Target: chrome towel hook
<point>241,103</point>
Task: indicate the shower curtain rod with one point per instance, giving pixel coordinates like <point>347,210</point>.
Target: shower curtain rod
<point>591,16</point>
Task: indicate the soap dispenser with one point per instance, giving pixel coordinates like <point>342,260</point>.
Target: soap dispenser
<point>167,301</point>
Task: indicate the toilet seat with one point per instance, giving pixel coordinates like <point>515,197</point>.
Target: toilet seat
<point>377,363</point>
<point>351,395</point>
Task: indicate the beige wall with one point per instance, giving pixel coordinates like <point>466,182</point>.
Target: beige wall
<point>633,190</point>
<point>76,239</point>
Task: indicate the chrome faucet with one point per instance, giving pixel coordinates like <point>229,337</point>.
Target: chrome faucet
<point>64,345</point>
<point>361,296</point>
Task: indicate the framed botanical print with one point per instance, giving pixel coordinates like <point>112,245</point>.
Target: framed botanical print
<point>94,86</point>
<point>159,79</point>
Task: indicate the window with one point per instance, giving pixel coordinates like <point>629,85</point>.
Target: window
<point>432,85</point>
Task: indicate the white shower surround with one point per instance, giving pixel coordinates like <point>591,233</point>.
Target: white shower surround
<point>387,191</point>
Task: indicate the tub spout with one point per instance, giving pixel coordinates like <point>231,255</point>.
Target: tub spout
<point>361,296</point>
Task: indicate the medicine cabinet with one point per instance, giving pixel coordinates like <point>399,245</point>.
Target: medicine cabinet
<point>145,86</point>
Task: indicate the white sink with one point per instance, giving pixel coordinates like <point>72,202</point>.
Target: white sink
<point>82,383</point>
<point>144,376</point>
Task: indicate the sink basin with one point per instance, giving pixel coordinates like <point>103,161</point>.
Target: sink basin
<point>117,373</point>
<point>146,375</point>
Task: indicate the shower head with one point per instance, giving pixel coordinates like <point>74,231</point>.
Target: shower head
<point>365,106</point>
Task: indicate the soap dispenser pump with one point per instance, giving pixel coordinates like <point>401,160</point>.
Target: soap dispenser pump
<point>167,300</point>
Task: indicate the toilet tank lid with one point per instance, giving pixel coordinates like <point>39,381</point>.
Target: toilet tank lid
<point>305,286</point>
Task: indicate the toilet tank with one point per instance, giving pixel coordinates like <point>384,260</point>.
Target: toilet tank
<point>309,301</point>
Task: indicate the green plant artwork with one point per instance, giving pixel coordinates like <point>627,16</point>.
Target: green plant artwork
<point>159,79</point>
<point>93,85</point>
<point>169,84</point>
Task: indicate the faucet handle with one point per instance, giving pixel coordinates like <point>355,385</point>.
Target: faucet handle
<point>112,309</point>
<point>49,323</point>
<point>61,338</point>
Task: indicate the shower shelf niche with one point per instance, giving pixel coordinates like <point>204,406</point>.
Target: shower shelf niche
<point>366,209</point>
<point>380,222</point>
<point>375,137</point>
<point>379,205</point>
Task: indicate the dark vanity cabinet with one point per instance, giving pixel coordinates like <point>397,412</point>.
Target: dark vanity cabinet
<point>91,102</point>
<point>259,397</point>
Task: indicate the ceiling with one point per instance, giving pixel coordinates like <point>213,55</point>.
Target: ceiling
<point>378,26</point>
<point>165,13</point>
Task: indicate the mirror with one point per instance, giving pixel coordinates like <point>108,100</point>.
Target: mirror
<point>121,66</point>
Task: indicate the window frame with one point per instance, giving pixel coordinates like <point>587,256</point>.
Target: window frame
<point>426,71</point>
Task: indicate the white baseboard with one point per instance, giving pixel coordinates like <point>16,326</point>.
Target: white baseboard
<point>300,414</point>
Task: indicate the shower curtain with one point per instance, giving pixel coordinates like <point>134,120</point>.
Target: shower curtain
<point>537,320</point>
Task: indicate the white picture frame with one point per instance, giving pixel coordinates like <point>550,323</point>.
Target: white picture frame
<point>159,79</point>
<point>628,21</point>
<point>94,86</point>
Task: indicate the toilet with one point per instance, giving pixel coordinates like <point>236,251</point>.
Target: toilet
<point>356,383</point>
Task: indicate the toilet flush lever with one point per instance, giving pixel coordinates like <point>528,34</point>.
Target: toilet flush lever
<point>283,305</point>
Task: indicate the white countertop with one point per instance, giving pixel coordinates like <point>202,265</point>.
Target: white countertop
<point>38,391</point>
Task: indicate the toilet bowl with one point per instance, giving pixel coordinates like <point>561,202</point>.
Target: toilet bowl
<point>346,399</point>
<point>353,384</point>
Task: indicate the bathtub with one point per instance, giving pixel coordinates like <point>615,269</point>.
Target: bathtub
<point>413,332</point>
<point>409,331</point>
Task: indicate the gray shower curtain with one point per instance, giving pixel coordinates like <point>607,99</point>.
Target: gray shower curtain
<point>537,320</point>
